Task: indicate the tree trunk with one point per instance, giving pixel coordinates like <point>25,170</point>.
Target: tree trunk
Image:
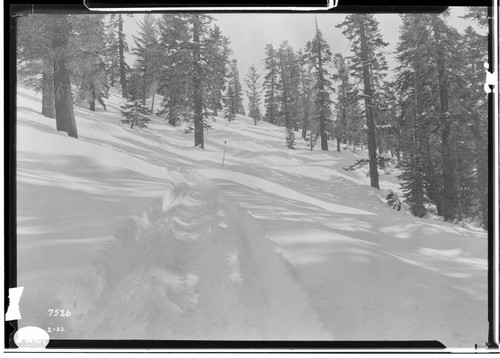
<point>304,128</point>
<point>285,102</point>
<point>321,83</point>
<point>338,144</point>
<point>197,96</point>
<point>372,148</point>
<point>63,99</point>
<point>153,90</point>
<point>121,49</point>
<point>482,179</point>
<point>171,113</point>
<point>448,197</point>
<point>48,109</point>
<point>92,100</point>
<point>380,148</point>
<point>65,117</point>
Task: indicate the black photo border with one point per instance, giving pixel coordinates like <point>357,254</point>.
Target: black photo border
<point>13,9</point>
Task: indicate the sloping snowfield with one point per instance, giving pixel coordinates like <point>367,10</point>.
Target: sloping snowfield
<point>142,236</point>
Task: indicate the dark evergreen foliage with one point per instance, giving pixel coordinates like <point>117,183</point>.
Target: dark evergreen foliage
<point>271,86</point>
<point>368,67</point>
<point>319,58</point>
<point>134,112</point>
<point>233,100</point>
<point>254,93</point>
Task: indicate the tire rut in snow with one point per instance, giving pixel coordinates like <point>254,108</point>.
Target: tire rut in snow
<point>195,266</point>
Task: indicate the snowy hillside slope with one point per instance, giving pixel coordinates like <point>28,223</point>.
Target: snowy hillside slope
<point>146,235</point>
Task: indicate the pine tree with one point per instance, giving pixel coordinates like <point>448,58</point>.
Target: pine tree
<point>134,111</point>
<point>116,48</point>
<point>217,54</point>
<point>289,82</point>
<point>306,94</point>
<point>442,38</point>
<point>148,54</point>
<point>122,49</point>
<point>111,51</point>
<point>271,86</point>
<point>471,109</point>
<point>174,82</point>
<point>89,69</point>
<point>319,57</point>
<point>34,57</point>
<point>368,67</point>
<point>417,102</point>
<point>233,99</point>
<point>347,124</point>
<point>254,92</point>
<point>187,72</point>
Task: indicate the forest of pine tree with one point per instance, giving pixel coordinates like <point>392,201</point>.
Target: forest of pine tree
<point>427,116</point>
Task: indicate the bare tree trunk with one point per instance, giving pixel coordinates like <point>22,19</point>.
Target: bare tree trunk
<point>48,109</point>
<point>121,49</point>
<point>63,99</point>
<point>171,113</point>
<point>322,116</point>
<point>92,100</point>
<point>197,100</point>
<point>372,148</point>
<point>153,90</point>
<point>448,195</point>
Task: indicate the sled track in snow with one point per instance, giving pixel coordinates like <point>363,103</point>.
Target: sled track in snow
<point>196,266</point>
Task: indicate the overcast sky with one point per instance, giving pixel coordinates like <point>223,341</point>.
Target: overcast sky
<point>249,33</point>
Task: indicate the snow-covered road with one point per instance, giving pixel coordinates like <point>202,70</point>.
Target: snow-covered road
<point>141,235</point>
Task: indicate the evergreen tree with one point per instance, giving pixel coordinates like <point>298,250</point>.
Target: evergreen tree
<point>254,92</point>
<point>116,48</point>
<point>347,124</point>
<point>319,57</point>
<point>122,49</point>
<point>148,55</point>
<point>417,105</point>
<point>89,69</point>
<point>471,110</point>
<point>443,38</point>
<point>368,66</point>
<point>306,106</point>
<point>234,95</point>
<point>289,80</point>
<point>187,70</point>
<point>174,82</point>
<point>34,57</point>
<point>218,52</point>
<point>111,50</point>
<point>134,112</point>
<point>271,86</point>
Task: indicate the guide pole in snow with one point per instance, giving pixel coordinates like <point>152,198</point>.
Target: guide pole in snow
<point>224,155</point>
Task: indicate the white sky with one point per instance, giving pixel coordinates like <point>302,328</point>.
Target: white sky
<point>250,33</point>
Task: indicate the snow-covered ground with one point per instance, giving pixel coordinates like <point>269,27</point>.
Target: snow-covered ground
<point>142,236</point>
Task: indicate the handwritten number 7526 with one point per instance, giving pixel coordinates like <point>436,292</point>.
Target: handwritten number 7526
<point>59,313</point>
